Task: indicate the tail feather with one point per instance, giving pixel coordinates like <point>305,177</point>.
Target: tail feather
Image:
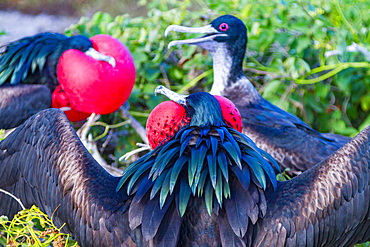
<point>231,186</point>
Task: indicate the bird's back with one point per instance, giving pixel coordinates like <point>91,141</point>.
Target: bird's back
<point>19,102</point>
<point>288,139</point>
<point>31,60</point>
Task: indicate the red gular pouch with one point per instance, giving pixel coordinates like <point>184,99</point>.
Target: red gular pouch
<point>94,86</point>
<point>60,100</point>
<point>168,118</point>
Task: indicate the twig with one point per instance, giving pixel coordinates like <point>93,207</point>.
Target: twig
<point>332,53</point>
<point>335,69</point>
<point>357,48</point>
<point>165,77</point>
<point>305,116</point>
<point>123,111</point>
<point>91,146</point>
<point>287,91</point>
<point>138,150</point>
<point>344,111</point>
<point>95,153</point>
<point>14,197</point>
<point>262,72</point>
<point>82,132</point>
<point>105,143</point>
<point>193,82</point>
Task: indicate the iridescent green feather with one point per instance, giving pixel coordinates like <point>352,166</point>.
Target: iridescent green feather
<point>184,196</point>
<point>21,58</point>
<point>176,171</point>
<point>204,169</point>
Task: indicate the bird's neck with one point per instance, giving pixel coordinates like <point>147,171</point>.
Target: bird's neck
<point>228,72</point>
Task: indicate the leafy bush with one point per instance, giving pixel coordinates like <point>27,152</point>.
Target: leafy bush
<point>31,227</point>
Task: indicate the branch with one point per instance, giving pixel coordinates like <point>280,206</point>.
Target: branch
<point>123,111</point>
<point>90,145</point>
<point>14,197</point>
<point>262,72</point>
<point>357,48</point>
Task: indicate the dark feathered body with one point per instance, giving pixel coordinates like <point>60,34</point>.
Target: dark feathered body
<point>44,163</point>
<point>288,139</point>
<point>34,60</point>
<point>18,103</point>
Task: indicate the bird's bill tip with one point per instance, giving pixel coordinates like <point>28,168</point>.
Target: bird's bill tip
<point>169,29</point>
<point>211,34</point>
<point>65,108</point>
<point>178,98</point>
<point>182,29</point>
<point>91,52</point>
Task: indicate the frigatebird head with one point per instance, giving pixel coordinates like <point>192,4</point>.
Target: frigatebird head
<point>201,107</point>
<point>198,109</point>
<point>84,44</point>
<point>224,29</point>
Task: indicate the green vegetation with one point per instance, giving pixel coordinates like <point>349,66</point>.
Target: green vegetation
<point>31,227</point>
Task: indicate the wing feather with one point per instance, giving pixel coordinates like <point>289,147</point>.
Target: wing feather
<point>328,204</point>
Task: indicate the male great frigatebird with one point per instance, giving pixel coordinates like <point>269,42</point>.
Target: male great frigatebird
<point>288,139</point>
<point>70,68</point>
<point>206,185</point>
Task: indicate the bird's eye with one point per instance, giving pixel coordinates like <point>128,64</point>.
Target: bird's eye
<point>224,27</point>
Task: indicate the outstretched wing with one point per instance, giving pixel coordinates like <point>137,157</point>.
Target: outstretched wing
<point>27,57</point>
<point>44,163</point>
<point>18,103</point>
<point>326,205</point>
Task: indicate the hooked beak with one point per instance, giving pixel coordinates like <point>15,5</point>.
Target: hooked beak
<point>178,98</point>
<point>211,34</point>
<point>91,52</point>
<point>65,108</point>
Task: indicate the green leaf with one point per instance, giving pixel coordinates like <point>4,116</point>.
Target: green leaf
<point>271,88</point>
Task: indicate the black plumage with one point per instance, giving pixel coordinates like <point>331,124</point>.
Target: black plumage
<point>19,102</point>
<point>288,139</point>
<point>34,59</point>
<point>44,163</point>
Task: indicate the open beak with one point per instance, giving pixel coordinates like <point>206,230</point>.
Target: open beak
<point>178,98</point>
<point>211,34</point>
<point>91,52</point>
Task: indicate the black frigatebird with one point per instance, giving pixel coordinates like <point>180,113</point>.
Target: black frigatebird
<point>71,68</point>
<point>292,142</point>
